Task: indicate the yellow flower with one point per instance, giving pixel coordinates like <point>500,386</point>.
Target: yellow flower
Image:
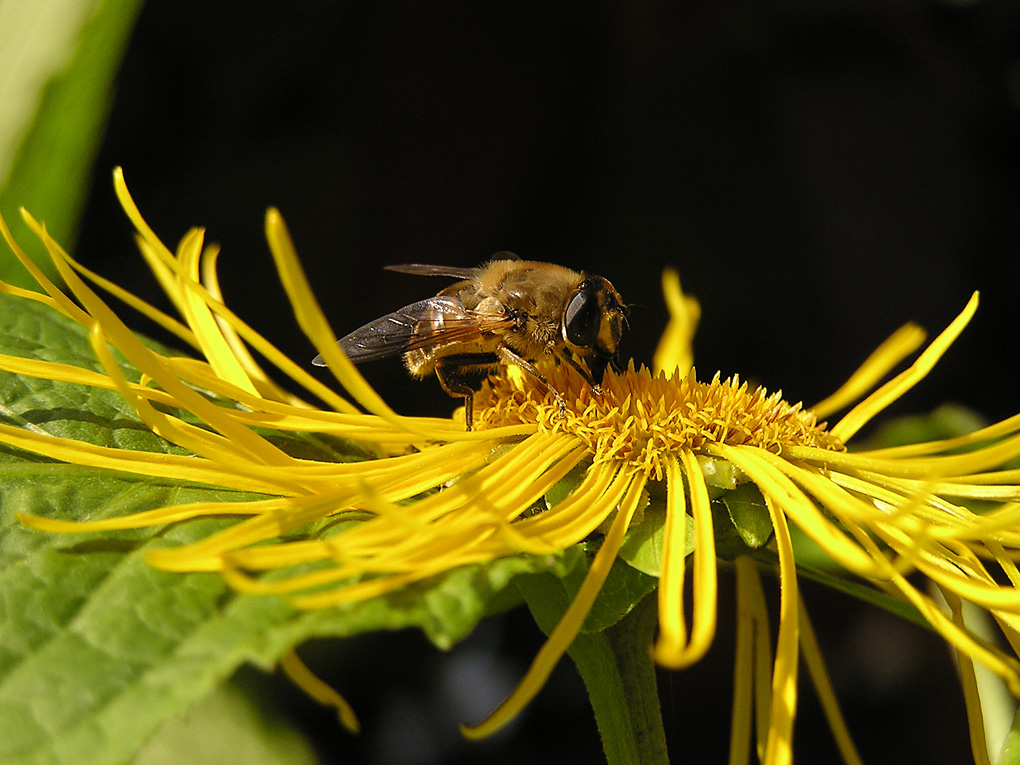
<point>434,497</point>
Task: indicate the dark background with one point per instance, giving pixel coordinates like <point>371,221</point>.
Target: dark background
<point>818,173</point>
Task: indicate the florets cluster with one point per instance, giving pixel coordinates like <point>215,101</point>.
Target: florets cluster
<point>640,418</point>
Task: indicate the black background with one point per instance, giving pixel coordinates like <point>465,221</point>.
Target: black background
<point>818,173</point>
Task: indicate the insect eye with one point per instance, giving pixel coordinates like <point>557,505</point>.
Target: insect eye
<point>581,319</point>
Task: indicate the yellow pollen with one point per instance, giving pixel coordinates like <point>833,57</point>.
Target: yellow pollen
<point>639,419</point>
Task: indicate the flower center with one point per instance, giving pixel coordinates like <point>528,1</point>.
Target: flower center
<point>640,419</point>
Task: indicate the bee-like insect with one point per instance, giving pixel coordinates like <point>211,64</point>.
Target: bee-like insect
<point>508,311</point>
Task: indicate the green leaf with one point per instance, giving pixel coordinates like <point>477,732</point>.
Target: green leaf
<point>624,589</point>
<point>58,59</point>
<point>720,475</point>
<point>92,637</point>
<point>566,485</point>
<point>97,649</point>
<point>102,417</point>
<point>749,514</point>
<point>226,726</point>
<point>1010,754</point>
<point>642,546</point>
<point>946,421</point>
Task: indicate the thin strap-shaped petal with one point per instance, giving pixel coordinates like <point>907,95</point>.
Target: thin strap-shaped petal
<point>941,466</point>
<point>173,280</point>
<point>203,322</point>
<point>1006,667</point>
<point>303,678</point>
<point>156,517</point>
<point>705,563</point>
<point>154,464</point>
<point>671,650</point>
<point>578,514</point>
<point>57,299</point>
<point>987,594</point>
<point>208,554</point>
<point>779,748</point>
<point>861,414</point>
<point>252,368</point>
<point>956,487</point>
<point>971,695</point>
<point>167,322</point>
<point>798,506</point>
<point>68,373</point>
<point>162,264</point>
<point>752,666</point>
<point>150,363</point>
<point>897,347</point>
<point>198,440</point>
<point>672,628</point>
<point>134,214</point>
<point>674,354</point>
<point>988,433</point>
<point>398,478</point>
<point>573,518</point>
<point>313,322</point>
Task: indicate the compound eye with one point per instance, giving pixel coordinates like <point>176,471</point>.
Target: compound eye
<point>581,319</point>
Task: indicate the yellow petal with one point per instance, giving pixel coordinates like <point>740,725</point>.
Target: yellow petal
<point>897,347</point>
<point>675,352</point>
<point>861,414</point>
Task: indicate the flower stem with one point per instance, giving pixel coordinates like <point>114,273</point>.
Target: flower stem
<point>617,669</point>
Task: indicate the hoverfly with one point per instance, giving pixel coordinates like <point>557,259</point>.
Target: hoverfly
<point>508,311</point>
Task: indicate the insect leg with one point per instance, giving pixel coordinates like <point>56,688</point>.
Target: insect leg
<point>569,358</point>
<point>507,356</point>
<point>450,371</point>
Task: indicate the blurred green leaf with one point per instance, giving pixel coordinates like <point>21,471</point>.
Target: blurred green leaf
<point>946,421</point>
<point>58,60</point>
<point>1010,754</point>
<point>226,726</point>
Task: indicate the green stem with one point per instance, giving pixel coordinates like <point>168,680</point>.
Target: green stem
<point>618,672</point>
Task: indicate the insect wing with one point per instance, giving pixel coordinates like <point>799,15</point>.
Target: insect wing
<point>417,325</point>
<point>421,269</point>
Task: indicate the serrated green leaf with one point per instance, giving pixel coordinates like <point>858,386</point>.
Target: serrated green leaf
<point>97,649</point>
<point>91,634</point>
<point>58,59</point>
